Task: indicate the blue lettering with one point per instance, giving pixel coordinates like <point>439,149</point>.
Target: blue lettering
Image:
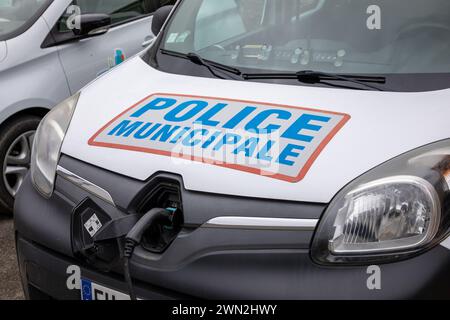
<point>248,147</point>
<point>228,138</point>
<point>157,104</point>
<point>180,135</point>
<point>189,141</point>
<point>257,121</point>
<point>211,139</point>
<point>303,123</point>
<point>289,151</point>
<point>125,128</point>
<point>146,130</point>
<point>206,118</point>
<point>244,113</point>
<point>197,106</point>
<point>165,133</point>
<point>263,154</point>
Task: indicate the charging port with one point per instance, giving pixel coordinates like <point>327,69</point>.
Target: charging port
<point>160,235</point>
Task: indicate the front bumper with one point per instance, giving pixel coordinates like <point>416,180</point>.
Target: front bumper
<point>204,262</point>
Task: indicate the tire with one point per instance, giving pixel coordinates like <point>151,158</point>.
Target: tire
<point>15,137</point>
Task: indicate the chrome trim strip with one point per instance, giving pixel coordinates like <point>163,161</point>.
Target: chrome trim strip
<point>262,223</point>
<point>85,185</point>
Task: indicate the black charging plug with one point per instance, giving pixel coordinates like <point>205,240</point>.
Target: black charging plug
<point>134,238</point>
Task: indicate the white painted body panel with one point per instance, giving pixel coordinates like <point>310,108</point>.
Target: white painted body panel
<point>383,125</point>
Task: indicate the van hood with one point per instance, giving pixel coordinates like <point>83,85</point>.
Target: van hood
<point>3,50</point>
<point>337,136</point>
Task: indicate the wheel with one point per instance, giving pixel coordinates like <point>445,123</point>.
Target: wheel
<point>16,140</point>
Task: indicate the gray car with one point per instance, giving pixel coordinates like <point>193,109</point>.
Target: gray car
<point>49,50</point>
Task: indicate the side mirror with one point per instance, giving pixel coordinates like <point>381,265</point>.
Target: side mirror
<point>93,24</point>
<point>159,17</point>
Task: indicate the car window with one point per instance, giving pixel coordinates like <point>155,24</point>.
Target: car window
<point>119,10</point>
<point>217,21</point>
<point>14,14</point>
<point>331,36</point>
<point>225,20</point>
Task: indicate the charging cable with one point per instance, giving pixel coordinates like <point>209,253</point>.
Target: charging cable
<point>134,238</point>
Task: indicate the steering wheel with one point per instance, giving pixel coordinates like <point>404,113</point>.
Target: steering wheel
<point>422,25</point>
<point>213,48</point>
<point>213,51</point>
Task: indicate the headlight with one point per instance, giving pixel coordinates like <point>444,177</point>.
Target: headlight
<point>47,145</point>
<point>396,210</point>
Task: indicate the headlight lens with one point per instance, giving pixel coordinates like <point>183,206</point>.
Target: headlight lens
<point>386,215</point>
<point>395,210</point>
<point>47,145</point>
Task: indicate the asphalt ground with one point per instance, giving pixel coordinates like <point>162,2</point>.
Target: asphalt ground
<point>10,287</point>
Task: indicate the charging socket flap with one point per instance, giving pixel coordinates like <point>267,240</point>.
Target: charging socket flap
<point>95,234</point>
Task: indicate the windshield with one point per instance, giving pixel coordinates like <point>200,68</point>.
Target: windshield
<point>334,36</point>
<point>16,14</point>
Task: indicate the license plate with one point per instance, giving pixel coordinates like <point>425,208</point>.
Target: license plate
<point>94,291</point>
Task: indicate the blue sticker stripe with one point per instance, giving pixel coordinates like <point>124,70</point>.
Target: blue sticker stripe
<point>86,290</point>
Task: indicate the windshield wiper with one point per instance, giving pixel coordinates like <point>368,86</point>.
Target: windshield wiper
<point>309,76</point>
<point>306,76</point>
<point>210,65</point>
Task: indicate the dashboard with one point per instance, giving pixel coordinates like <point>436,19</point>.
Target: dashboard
<point>332,56</point>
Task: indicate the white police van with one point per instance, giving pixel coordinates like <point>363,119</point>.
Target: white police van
<point>259,149</point>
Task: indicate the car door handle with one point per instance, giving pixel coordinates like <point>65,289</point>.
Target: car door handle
<point>148,42</point>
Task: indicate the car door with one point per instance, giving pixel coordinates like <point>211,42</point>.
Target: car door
<point>130,32</point>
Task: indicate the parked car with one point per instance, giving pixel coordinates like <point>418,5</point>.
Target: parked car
<point>43,61</point>
<point>257,150</point>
